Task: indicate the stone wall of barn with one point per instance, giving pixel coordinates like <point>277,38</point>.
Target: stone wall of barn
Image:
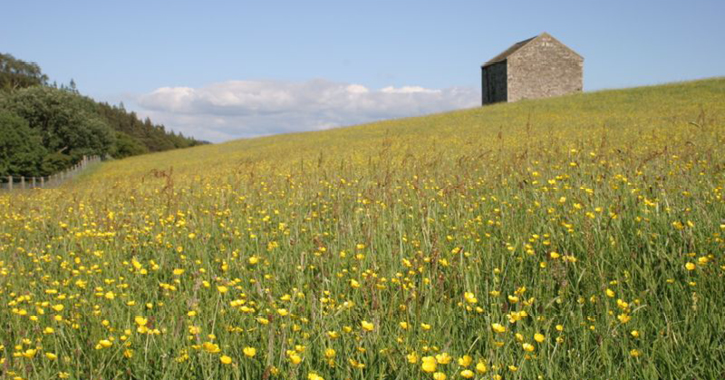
<point>494,88</point>
<point>543,68</point>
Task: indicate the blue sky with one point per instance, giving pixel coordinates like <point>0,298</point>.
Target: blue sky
<point>220,70</point>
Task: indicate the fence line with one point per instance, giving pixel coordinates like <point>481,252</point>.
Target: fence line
<point>11,183</point>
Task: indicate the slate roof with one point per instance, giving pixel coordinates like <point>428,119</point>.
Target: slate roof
<point>506,53</point>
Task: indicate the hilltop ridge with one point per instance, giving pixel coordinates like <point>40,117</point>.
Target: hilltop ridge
<point>629,111</point>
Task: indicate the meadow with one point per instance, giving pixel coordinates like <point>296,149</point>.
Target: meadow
<point>575,237</point>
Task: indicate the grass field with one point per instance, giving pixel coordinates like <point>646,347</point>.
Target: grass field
<point>576,237</point>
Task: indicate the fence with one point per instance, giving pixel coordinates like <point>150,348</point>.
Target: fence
<point>11,183</point>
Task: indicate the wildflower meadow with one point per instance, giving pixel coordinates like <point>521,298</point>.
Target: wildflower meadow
<point>575,237</point>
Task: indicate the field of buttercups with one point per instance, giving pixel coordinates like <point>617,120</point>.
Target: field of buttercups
<point>577,237</point>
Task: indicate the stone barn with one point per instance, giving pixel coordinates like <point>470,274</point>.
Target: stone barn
<point>539,67</point>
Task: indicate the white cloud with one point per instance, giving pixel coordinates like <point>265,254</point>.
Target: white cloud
<point>357,89</point>
<point>409,90</point>
<point>236,109</point>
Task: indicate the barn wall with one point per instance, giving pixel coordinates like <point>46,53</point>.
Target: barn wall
<point>543,68</point>
<point>494,88</point>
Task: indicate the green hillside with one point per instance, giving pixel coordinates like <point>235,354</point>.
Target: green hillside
<point>575,237</point>
<point>617,115</point>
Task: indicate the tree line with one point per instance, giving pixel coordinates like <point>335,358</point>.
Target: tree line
<point>46,128</point>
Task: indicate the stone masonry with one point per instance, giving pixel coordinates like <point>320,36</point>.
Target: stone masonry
<point>539,67</point>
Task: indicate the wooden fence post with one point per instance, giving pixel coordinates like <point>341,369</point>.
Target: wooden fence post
<point>53,179</point>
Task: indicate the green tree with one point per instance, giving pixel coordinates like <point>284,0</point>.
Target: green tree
<point>16,74</point>
<point>154,137</point>
<point>21,149</point>
<point>127,146</point>
<point>72,125</point>
<point>68,124</point>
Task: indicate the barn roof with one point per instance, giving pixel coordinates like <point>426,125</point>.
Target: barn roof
<point>506,53</point>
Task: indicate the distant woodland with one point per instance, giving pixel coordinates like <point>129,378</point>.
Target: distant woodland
<point>45,128</point>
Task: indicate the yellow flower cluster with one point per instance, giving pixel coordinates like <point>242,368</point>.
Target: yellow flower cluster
<point>512,241</point>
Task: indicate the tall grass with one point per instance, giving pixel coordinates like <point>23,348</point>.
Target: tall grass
<point>414,248</point>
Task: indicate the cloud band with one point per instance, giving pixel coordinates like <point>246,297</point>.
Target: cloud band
<point>237,109</point>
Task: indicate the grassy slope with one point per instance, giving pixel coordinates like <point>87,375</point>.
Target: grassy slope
<point>635,110</point>
<point>553,202</point>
